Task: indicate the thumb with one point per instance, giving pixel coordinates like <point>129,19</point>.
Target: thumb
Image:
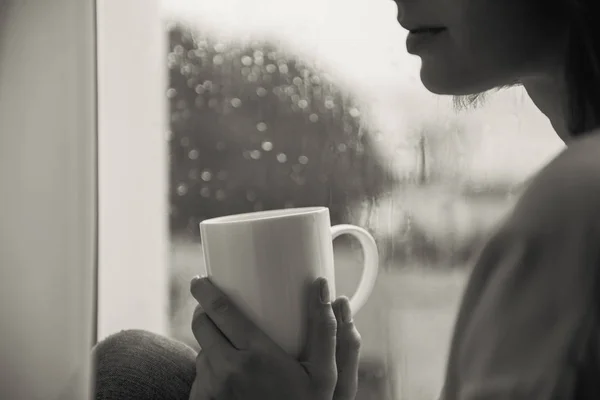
<point>319,354</point>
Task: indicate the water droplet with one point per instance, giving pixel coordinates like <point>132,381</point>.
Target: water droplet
<point>261,126</point>
<point>207,85</point>
<point>342,147</point>
<point>200,89</point>
<point>182,189</point>
<point>283,69</point>
<point>297,81</point>
<point>267,146</point>
<point>171,93</point>
<point>281,157</point>
<point>271,68</point>
<point>235,102</point>
<point>303,104</point>
<point>220,195</point>
<point>193,154</point>
<point>303,160</point>
<point>354,112</point>
<point>329,104</point>
<point>261,91</point>
<point>313,117</point>
<point>252,77</point>
<point>220,47</point>
<point>247,61</point>
<point>206,175</point>
<point>255,154</point>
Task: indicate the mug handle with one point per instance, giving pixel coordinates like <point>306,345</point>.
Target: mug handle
<point>370,263</point>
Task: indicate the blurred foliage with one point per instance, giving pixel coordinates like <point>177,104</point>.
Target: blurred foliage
<point>255,129</point>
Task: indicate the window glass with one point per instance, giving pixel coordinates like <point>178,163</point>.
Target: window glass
<point>276,104</point>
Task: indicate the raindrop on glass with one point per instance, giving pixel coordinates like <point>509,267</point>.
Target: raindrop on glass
<point>247,61</point>
<point>206,175</point>
<point>235,102</point>
<point>281,157</point>
<point>182,189</point>
<point>193,154</point>
<point>261,91</point>
<point>261,126</point>
<point>267,146</point>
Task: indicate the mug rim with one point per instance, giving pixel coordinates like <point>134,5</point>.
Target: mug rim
<point>267,215</point>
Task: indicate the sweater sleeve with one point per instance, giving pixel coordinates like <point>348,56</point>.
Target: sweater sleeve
<point>529,311</point>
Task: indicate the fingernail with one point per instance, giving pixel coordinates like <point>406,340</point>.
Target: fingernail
<point>346,312</point>
<point>324,292</point>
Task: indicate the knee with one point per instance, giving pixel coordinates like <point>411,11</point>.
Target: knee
<point>140,365</point>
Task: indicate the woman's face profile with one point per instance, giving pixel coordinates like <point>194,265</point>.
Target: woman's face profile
<point>485,43</point>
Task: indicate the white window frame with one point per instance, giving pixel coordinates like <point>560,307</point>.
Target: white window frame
<point>132,167</point>
<point>84,244</point>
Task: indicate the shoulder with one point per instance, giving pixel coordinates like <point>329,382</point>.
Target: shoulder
<point>566,191</point>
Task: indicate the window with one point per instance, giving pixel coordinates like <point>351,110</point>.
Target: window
<point>211,107</point>
<point>282,104</point>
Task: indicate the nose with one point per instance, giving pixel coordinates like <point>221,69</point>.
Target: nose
<point>399,8</point>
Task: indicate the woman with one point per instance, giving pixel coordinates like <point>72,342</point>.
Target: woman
<point>528,327</point>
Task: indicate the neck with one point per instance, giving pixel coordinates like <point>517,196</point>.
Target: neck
<point>549,94</point>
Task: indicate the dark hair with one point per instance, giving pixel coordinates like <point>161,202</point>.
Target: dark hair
<point>583,66</point>
<point>582,69</point>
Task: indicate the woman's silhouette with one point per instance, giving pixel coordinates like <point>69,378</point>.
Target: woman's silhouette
<point>528,327</point>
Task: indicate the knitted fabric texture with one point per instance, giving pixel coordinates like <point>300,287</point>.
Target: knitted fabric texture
<point>139,365</point>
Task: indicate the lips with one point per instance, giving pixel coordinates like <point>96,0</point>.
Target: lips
<point>429,30</point>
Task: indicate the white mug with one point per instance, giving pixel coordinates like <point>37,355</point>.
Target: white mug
<point>265,261</point>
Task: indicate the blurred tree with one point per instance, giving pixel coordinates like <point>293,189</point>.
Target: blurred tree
<point>253,129</point>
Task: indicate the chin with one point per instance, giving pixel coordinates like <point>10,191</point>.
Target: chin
<point>445,82</point>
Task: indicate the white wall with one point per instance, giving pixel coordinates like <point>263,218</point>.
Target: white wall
<point>132,76</point>
<point>47,198</point>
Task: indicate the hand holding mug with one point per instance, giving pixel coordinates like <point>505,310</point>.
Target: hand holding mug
<point>240,362</point>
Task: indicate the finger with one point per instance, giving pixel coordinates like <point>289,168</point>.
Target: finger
<point>319,354</point>
<point>212,341</point>
<point>225,315</point>
<point>203,386</point>
<point>347,355</point>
